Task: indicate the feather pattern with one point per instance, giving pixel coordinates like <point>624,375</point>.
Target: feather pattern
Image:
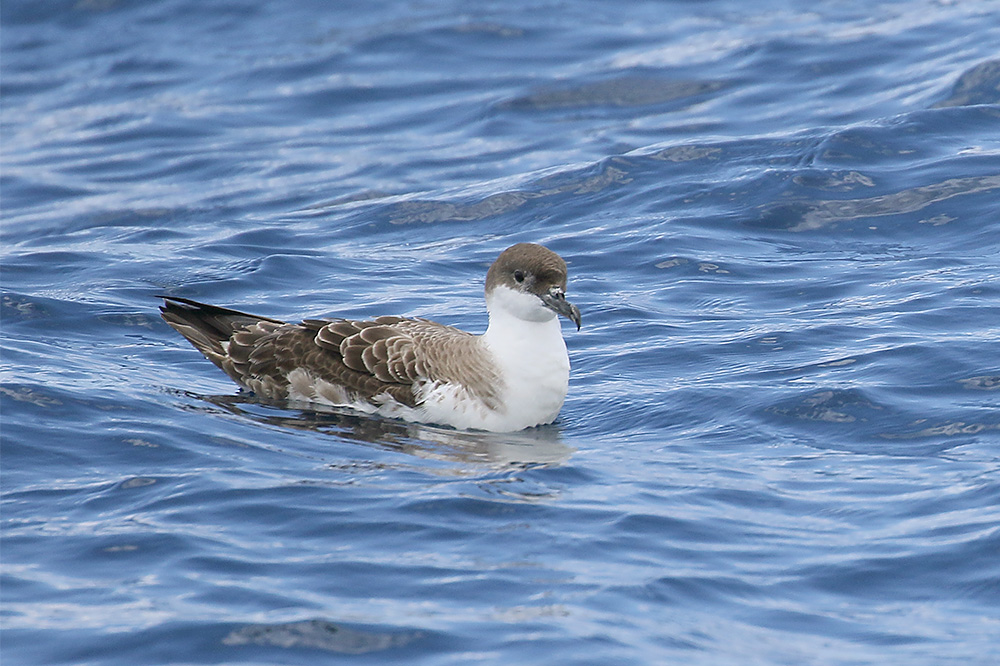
<point>391,356</point>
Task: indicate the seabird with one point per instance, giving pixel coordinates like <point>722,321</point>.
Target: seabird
<point>513,376</point>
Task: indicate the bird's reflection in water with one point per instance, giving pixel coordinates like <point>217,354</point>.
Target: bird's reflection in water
<point>532,447</point>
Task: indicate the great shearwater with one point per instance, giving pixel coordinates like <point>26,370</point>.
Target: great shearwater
<point>513,376</point>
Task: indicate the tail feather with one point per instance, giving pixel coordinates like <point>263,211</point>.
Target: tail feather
<point>208,327</point>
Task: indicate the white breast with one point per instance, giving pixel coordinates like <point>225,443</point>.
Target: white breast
<point>532,359</point>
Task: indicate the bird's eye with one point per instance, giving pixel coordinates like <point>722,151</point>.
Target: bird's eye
<point>519,276</point>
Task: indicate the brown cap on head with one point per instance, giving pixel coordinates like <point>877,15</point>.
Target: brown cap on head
<point>538,263</point>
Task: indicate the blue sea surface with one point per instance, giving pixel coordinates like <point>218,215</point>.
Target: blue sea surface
<point>781,443</point>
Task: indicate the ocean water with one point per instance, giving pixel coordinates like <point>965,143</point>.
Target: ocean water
<point>782,439</point>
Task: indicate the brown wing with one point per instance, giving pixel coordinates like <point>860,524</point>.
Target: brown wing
<point>388,355</point>
<point>398,353</point>
<point>261,357</point>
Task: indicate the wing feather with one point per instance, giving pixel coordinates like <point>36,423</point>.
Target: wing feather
<point>387,355</point>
